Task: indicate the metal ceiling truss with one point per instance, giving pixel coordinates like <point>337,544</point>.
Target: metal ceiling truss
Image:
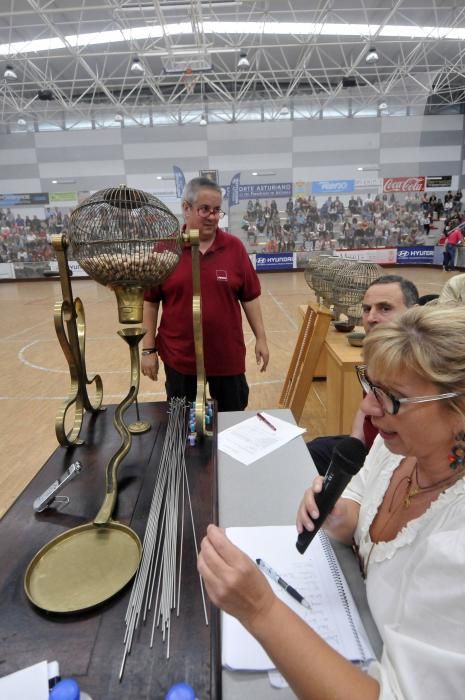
<point>291,74</point>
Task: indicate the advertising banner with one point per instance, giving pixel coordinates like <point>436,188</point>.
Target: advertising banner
<point>435,182</point>
<point>63,197</point>
<point>438,256</point>
<point>234,190</point>
<point>76,269</point>
<point>211,174</point>
<point>299,189</point>
<point>271,190</point>
<point>180,181</point>
<point>333,186</point>
<point>382,256</point>
<point>367,183</point>
<point>274,261</point>
<point>7,271</point>
<point>423,255</point>
<point>404,184</point>
<point>23,199</point>
<point>274,190</point>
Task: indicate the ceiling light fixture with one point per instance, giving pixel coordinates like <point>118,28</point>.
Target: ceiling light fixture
<point>203,120</point>
<point>118,117</point>
<point>10,73</point>
<point>382,105</point>
<point>243,61</point>
<point>21,121</point>
<point>372,55</point>
<point>137,66</point>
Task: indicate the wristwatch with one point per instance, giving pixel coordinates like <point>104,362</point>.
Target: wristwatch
<point>148,351</point>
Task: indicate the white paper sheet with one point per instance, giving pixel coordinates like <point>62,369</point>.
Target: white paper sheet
<point>30,683</point>
<point>252,439</point>
<point>315,578</point>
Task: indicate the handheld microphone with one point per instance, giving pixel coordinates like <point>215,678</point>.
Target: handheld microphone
<point>348,458</point>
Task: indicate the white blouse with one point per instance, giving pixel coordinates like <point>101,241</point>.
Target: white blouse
<point>415,587</point>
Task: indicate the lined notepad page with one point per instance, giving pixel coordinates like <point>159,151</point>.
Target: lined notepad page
<point>317,576</point>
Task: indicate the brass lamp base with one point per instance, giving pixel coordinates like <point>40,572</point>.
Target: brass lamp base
<point>139,426</point>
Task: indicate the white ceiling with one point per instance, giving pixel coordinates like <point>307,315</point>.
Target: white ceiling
<point>296,69</point>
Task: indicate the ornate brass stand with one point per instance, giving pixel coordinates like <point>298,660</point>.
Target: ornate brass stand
<point>192,239</point>
<point>62,576</point>
<point>70,327</point>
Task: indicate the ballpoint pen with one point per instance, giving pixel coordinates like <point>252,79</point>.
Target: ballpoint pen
<point>271,573</point>
<point>261,417</point>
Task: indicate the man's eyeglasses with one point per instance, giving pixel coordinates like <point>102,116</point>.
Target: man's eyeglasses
<point>204,211</point>
<point>391,404</point>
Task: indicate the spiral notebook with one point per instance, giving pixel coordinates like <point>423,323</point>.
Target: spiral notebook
<point>318,577</point>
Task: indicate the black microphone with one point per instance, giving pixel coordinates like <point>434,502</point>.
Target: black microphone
<point>348,458</point>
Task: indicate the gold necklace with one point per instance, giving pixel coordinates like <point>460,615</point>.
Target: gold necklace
<point>414,489</point>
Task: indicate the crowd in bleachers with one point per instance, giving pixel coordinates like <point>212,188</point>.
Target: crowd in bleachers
<point>363,222</point>
<point>26,239</point>
<point>302,225</point>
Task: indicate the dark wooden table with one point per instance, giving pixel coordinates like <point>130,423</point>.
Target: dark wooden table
<point>89,645</point>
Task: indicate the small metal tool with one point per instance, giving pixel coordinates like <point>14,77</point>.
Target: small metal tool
<point>50,495</point>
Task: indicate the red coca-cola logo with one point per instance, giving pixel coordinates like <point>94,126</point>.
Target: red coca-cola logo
<point>404,184</point>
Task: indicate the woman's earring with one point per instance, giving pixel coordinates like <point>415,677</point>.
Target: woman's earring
<point>457,456</point>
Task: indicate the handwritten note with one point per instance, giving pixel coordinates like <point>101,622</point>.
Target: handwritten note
<point>333,614</point>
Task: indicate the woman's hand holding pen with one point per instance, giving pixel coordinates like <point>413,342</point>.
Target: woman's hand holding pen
<point>233,581</point>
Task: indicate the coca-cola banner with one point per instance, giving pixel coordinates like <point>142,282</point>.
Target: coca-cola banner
<point>404,184</point>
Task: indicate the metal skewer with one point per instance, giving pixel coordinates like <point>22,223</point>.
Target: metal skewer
<point>157,586</point>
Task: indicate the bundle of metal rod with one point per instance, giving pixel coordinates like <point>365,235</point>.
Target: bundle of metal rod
<point>157,585</point>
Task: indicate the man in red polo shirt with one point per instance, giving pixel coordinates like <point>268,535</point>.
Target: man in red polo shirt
<point>228,282</point>
<point>454,239</point>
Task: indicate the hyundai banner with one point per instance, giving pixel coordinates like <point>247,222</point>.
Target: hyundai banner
<point>274,261</point>
<point>333,186</point>
<point>422,255</point>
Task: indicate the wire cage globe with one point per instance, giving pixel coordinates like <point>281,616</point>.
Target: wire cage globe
<point>350,285</point>
<point>330,270</point>
<point>320,284</point>
<point>312,264</point>
<point>128,239</point>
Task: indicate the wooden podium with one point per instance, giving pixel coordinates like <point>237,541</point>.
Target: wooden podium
<point>305,359</point>
<point>89,645</point>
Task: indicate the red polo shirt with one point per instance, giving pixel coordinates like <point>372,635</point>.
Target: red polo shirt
<point>455,237</point>
<point>227,277</point>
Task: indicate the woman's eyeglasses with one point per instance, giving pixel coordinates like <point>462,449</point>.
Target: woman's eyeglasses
<point>391,404</point>
<point>204,211</point>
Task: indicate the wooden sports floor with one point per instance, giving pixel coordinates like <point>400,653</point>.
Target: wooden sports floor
<point>35,377</point>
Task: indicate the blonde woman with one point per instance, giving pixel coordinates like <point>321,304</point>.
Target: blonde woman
<point>405,510</point>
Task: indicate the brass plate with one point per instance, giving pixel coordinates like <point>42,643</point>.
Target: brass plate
<point>82,567</point>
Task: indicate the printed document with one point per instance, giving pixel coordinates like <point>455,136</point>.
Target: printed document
<point>254,438</point>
